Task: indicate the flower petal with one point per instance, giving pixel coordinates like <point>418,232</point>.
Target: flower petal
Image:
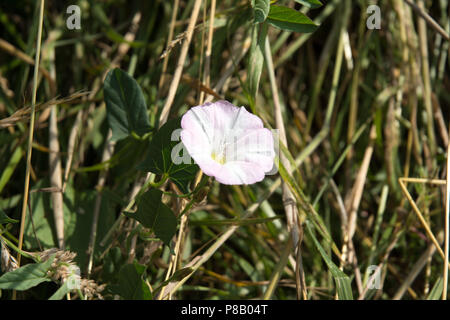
<point>239,172</point>
<point>196,132</point>
<point>196,143</point>
<point>252,146</point>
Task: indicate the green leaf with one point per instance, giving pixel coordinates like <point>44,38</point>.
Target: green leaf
<point>8,171</point>
<point>165,145</point>
<point>436,292</point>
<point>27,276</point>
<point>42,227</point>
<point>343,285</point>
<point>61,292</point>
<point>289,19</point>
<point>154,214</point>
<point>131,283</point>
<point>177,276</point>
<point>5,219</point>
<point>232,222</point>
<point>256,58</point>
<point>125,105</point>
<point>310,3</point>
<point>118,38</point>
<point>261,9</point>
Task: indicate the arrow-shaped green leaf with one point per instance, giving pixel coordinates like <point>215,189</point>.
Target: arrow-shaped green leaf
<point>154,214</point>
<point>125,105</point>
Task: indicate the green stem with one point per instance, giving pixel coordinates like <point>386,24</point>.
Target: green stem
<point>8,234</point>
<point>15,248</point>
<point>81,294</point>
<point>158,184</point>
<point>276,275</point>
<point>187,208</point>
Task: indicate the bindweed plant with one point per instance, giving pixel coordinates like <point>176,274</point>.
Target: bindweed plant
<point>189,149</point>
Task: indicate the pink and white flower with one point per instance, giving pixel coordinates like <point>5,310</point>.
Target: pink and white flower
<point>228,143</point>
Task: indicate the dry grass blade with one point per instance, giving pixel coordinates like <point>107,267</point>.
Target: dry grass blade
<point>169,40</point>
<point>54,159</point>
<point>24,113</point>
<point>419,214</point>
<point>207,68</point>
<point>426,82</point>
<point>418,266</point>
<point>179,69</point>
<point>276,275</point>
<point>431,22</point>
<point>9,48</point>
<point>238,51</point>
<point>178,39</point>
<point>196,84</point>
<point>289,201</point>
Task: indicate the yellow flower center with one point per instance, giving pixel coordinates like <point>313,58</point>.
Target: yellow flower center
<point>219,158</point>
